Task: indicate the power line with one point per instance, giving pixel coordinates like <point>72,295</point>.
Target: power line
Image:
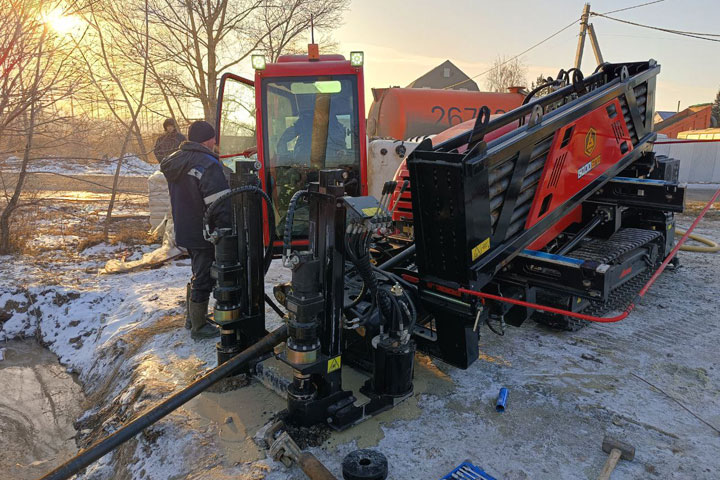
<point>634,6</point>
<point>701,36</point>
<point>516,56</point>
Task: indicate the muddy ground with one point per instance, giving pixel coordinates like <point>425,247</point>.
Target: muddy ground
<point>123,336</point>
<point>39,403</point>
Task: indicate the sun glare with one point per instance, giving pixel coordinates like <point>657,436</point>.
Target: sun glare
<point>60,22</point>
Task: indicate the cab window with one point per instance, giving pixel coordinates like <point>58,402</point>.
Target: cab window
<point>311,123</point>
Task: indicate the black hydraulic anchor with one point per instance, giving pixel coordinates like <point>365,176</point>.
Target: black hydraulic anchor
<point>315,313</point>
<point>239,268</point>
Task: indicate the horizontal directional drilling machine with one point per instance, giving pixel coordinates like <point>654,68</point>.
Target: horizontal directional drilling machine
<point>556,208</point>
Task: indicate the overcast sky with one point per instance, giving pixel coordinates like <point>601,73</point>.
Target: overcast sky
<point>402,39</point>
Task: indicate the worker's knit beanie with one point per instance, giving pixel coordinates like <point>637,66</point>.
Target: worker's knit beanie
<point>200,131</point>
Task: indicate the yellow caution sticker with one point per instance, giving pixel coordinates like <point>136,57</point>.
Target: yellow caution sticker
<point>480,248</point>
<point>371,211</point>
<point>334,364</point>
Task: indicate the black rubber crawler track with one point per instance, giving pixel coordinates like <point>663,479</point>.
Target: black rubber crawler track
<point>608,251</point>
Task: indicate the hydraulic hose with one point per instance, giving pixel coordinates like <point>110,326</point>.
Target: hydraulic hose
<point>360,257</point>
<point>289,219</point>
<point>270,216</point>
<point>99,449</point>
<point>630,308</point>
<point>712,246</point>
<point>274,306</point>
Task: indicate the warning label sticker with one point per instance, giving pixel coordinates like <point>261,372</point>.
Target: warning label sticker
<point>370,211</point>
<point>334,364</point>
<point>480,248</point>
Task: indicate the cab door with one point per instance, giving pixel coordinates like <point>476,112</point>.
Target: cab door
<point>236,121</point>
<point>237,138</point>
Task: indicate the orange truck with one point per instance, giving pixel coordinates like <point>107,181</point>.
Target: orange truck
<point>403,113</point>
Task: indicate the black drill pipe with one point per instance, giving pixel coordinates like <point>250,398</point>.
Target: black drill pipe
<point>398,258</point>
<point>597,220</point>
<point>178,399</point>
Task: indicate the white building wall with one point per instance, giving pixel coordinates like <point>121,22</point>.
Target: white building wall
<point>699,162</point>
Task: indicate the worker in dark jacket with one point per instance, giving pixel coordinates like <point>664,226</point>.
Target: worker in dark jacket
<point>169,141</point>
<point>195,180</point>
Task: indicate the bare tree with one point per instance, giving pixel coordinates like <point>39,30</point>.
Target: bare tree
<point>201,40</point>
<point>506,73</point>
<point>21,40</point>
<point>191,35</point>
<point>541,80</point>
<point>35,77</point>
<point>279,26</point>
<point>103,57</point>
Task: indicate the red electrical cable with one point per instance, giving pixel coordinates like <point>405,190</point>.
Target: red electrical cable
<point>630,308</point>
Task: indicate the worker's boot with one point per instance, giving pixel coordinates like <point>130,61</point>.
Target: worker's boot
<point>198,318</point>
<point>188,324</point>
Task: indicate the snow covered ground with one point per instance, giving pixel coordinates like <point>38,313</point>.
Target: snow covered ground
<point>132,166</point>
<point>123,336</point>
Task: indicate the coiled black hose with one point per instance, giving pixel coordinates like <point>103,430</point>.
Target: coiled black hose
<point>360,295</point>
<point>360,257</point>
<point>411,305</point>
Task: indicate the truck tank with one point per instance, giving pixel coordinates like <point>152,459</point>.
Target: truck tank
<point>402,113</point>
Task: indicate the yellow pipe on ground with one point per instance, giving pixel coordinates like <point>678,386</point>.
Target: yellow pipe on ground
<point>712,247</point>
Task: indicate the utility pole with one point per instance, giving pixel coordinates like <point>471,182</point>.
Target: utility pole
<point>586,27</point>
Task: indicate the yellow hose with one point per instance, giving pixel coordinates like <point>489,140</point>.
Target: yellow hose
<point>712,247</point>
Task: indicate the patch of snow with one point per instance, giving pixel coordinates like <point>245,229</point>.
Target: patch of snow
<point>103,249</point>
<point>132,166</point>
<point>45,242</point>
<point>169,452</point>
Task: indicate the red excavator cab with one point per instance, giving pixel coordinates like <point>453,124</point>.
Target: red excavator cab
<point>301,114</point>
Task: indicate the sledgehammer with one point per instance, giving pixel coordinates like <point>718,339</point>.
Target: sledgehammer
<point>617,450</point>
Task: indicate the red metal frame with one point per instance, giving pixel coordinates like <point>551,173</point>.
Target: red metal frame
<point>594,146</point>
<point>300,66</point>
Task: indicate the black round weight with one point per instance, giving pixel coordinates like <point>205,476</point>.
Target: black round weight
<point>365,465</point>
